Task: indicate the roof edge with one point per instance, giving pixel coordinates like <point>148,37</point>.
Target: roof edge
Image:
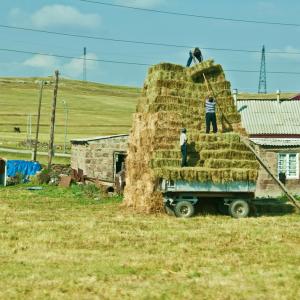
<point>97,138</point>
<point>276,135</point>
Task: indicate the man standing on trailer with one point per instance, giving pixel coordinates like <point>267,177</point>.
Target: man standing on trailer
<point>210,114</point>
<point>195,55</point>
<point>183,147</point>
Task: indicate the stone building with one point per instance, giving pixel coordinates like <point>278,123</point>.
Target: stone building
<point>273,126</point>
<point>99,157</point>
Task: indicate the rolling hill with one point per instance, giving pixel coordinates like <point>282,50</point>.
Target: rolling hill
<point>93,109</point>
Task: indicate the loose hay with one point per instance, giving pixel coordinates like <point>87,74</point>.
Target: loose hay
<point>173,97</point>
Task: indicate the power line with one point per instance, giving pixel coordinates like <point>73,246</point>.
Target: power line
<point>130,63</point>
<point>74,35</point>
<point>174,13</point>
<point>73,57</point>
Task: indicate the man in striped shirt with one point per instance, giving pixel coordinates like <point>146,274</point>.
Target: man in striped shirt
<point>210,116</point>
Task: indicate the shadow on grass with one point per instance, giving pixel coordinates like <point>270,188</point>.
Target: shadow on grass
<point>273,207</point>
<point>260,207</point>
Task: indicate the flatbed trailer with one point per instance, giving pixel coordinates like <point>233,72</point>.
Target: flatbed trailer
<point>181,197</point>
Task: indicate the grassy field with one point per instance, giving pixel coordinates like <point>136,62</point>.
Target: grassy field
<point>93,109</point>
<point>58,244</point>
<point>41,158</point>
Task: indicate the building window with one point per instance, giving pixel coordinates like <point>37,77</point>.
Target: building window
<point>288,163</point>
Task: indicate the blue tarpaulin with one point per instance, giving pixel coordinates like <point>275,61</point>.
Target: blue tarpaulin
<point>26,168</point>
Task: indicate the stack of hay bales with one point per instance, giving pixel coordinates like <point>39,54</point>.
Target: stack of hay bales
<point>174,97</point>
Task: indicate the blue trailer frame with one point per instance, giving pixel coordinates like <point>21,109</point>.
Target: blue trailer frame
<point>180,197</point>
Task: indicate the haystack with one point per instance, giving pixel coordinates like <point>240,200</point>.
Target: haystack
<point>174,97</point>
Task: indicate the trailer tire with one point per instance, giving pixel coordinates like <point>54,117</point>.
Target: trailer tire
<point>184,209</point>
<point>239,209</point>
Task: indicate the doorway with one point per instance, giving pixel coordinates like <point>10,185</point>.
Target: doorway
<point>119,162</point>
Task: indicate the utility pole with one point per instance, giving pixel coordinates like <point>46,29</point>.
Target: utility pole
<point>51,142</point>
<point>29,130</point>
<point>66,122</point>
<point>38,121</point>
<point>30,127</point>
<point>262,86</point>
<point>84,64</point>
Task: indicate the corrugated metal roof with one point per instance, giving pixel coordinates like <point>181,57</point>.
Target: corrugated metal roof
<point>279,142</point>
<point>97,138</point>
<point>269,96</point>
<point>270,117</point>
<point>296,97</point>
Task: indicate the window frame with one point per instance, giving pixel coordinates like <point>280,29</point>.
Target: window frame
<point>287,155</point>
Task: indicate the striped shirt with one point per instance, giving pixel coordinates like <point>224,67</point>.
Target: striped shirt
<point>210,107</point>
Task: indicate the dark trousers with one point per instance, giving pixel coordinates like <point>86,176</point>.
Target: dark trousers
<point>197,56</point>
<point>189,60</point>
<point>211,119</point>
<point>184,155</point>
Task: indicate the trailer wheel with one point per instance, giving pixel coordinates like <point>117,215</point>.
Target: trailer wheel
<point>184,209</point>
<point>239,209</point>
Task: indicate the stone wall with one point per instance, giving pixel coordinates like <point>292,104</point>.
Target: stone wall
<point>96,158</point>
<point>266,186</point>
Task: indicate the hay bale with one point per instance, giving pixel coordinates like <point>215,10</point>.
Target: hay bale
<point>173,97</point>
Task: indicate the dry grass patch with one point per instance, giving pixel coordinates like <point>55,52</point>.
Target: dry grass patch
<point>56,244</point>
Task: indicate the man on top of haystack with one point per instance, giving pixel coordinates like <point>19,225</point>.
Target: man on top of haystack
<point>195,55</point>
<point>210,113</point>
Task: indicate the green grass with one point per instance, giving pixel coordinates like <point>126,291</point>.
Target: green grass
<point>41,158</point>
<point>94,109</point>
<point>58,244</point>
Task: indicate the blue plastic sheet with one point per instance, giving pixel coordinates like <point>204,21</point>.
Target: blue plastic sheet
<point>26,168</point>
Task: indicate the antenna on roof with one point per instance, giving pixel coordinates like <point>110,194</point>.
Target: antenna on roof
<point>262,86</point>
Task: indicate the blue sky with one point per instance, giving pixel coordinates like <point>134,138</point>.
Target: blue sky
<point>74,16</point>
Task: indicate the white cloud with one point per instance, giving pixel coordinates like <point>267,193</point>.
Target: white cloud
<point>51,16</point>
<point>16,13</point>
<point>41,61</point>
<point>141,3</point>
<point>293,55</point>
<point>74,68</point>
<point>61,15</point>
<point>18,17</point>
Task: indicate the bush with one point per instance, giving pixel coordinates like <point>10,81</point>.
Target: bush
<point>89,191</point>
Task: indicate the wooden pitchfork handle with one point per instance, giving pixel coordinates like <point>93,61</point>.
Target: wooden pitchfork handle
<point>208,90</point>
<point>211,91</point>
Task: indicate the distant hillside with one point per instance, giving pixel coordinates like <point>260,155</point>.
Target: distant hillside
<point>93,109</point>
